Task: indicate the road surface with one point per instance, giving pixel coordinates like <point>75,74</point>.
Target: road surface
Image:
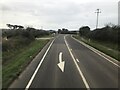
<point>66,63</point>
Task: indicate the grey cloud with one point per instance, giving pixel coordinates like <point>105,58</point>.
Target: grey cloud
<point>59,13</point>
<point>5,8</point>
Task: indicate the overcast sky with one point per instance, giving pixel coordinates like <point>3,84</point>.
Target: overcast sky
<point>54,14</point>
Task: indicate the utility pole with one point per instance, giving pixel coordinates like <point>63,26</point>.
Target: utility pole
<point>98,11</point>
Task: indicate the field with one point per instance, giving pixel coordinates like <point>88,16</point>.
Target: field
<point>18,59</point>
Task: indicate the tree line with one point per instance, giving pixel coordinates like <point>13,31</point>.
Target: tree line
<point>15,26</point>
<point>66,31</point>
<point>105,34</point>
<point>29,32</point>
<point>17,36</point>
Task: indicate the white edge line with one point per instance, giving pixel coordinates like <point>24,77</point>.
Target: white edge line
<point>33,76</point>
<point>94,50</point>
<point>80,72</point>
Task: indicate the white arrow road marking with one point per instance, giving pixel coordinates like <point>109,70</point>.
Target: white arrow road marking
<point>61,63</point>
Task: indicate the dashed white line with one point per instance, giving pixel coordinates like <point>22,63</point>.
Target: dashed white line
<point>77,60</point>
<point>80,72</point>
<point>34,74</point>
<point>98,52</point>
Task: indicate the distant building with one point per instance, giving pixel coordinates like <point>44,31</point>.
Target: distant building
<point>119,13</point>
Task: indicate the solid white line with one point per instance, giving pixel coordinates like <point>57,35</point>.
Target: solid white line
<point>98,52</point>
<point>80,72</point>
<point>60,57</point>
<point>77,60</point>
<point>34,74</point>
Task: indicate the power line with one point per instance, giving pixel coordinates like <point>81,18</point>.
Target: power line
<point>98,11</point>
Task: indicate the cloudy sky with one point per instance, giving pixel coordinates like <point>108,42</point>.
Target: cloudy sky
<point>54,14</point>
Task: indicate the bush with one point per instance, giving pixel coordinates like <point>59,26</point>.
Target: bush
<point>84,30</point>
<point>105,34</point>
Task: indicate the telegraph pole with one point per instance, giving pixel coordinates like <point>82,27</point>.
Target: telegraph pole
<point>98,11</point>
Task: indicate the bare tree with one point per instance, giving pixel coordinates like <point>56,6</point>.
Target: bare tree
<point>20,27</point>
<point>15,26</point>
<point>10,26</point>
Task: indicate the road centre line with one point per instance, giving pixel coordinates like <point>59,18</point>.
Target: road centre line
<point>40,63</point>
<point>98,52</point>
<point>80,72</point>
<point>77,60</point>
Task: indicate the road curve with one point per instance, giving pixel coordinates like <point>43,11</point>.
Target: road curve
<point>82,68</point>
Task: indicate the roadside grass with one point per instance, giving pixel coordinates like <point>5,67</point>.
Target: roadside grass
<point>1,77</point>
<point>107,48</point>
<point>13,67</point>
<point>0,55</point>
<point>48,36</point>
<point>45,37</point>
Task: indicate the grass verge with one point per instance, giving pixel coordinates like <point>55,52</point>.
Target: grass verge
<point>107,48</point>
<point>18,63</point>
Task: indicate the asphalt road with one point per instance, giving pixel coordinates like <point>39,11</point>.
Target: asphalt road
<point>79,67</point>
